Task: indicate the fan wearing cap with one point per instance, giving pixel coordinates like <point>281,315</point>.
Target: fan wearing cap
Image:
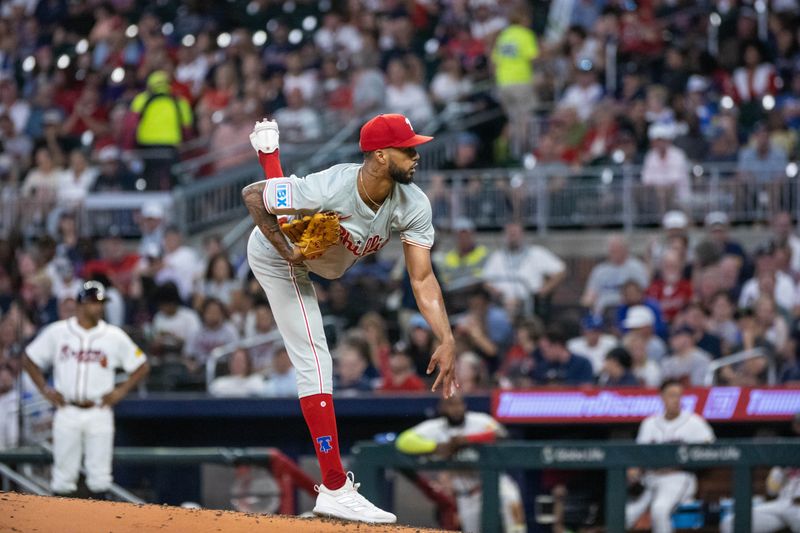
<point>666,167</point>
<point>686,362</point>
<point>84,352</point>
<point>372,199</point>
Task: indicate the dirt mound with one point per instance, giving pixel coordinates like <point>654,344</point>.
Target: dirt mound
<point>25,514</point>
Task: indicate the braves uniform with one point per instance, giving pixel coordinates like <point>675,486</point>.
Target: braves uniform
<point>467,484</point>
<point>775,515</point>
<point>84,363</point>
<point>666,488</point>
<point>361,232</point>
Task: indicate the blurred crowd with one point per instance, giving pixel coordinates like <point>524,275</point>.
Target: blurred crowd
<point>105,96</point>
<point>695,295</point>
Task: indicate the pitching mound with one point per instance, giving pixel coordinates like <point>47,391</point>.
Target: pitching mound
<point>25,514</point>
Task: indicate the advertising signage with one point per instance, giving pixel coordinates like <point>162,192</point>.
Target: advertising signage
<point>716,404</point>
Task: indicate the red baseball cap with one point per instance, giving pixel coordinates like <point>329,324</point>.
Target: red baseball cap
<point>389,131</point>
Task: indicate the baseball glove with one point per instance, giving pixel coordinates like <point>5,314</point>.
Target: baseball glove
<point>313,234</point>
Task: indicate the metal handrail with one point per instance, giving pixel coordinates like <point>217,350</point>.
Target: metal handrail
<point>227,349</point>
<point>739,357</point>
<point>252,342</point>
<point>117,490</point>
<point>7,472</point>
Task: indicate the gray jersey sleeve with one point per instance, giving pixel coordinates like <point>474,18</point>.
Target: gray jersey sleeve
<point>416,219</point>
<point>292,195</point>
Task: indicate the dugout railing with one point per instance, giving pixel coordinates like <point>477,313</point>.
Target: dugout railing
<point>371,461</point>
<point>287,474</point>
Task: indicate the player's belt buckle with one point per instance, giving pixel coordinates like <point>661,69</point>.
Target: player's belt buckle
<point>83,405</point>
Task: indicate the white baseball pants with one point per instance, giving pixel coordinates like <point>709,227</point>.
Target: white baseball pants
<point>294,304</point>
<point>469,508</point>
<point>86,434</point>
<point>663,492</point>
<point>769,517</point>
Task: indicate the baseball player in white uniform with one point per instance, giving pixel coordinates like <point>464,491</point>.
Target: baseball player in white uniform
<point>371,199</point>
<point>84,352</point>
<point>444,436</point>
<point>667,487</point>
<point>783,511</point>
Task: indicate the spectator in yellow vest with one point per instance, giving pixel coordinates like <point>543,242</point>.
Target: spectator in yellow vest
<point>512,58</point>
<point>164,121</point>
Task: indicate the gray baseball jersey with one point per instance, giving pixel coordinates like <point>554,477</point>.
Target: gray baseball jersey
<point>362,231</point>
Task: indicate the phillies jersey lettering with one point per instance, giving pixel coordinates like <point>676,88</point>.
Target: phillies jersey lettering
<point>372,245</point>
<point>84,361</point>
<point>361,231</point>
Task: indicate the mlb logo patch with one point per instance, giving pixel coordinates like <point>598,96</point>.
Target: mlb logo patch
<point>283,195</point>
<point>325,443</point>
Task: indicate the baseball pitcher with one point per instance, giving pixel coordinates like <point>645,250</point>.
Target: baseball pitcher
<point>84,352</point>
<point>338,216</point>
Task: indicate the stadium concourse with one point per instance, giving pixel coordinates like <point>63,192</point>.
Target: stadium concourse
<point>22,512</point>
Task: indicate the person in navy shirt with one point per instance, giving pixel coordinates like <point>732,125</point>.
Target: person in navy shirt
<point>558,366</point>
<point>617,369</point>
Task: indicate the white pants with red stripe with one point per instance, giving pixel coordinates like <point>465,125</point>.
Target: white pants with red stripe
<point>86,434</point>
<point>663,492</point>
<point>294,304</point>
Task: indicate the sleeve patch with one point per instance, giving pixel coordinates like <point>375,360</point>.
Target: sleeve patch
<point>283,196</point>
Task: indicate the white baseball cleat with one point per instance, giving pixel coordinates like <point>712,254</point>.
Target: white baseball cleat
<point>265,136</point>
<point>346,503</point>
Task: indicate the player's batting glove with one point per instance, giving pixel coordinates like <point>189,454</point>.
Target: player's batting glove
<point>265,136</point>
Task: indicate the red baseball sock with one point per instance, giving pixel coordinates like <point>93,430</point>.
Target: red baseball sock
<point>321,421</point>
<point>271,164</point>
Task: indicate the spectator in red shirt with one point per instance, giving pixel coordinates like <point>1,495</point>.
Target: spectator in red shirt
<point>115,262</point>
<point>672,291</point>
<point>401,376</point>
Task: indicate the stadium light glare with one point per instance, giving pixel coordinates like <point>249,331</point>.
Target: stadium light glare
<point>325,6</point>
<point>188,40</point>
<point>82,46</point>
<point>697,171</point>
<point>224,39</point>
<point>117,75</point>
<point>132,31</point>
<point>167,28</point>
<point>29,64</point>
<point>87,138</point>
<point>431,46</point>
<point>272,25</point>
<point>63,61</point>
<point>289,7</point>
<point>252,8</point>
<point>310,23</point>
<point>760,6</point>
<point>618,156</point>
<point>768,102</point>
<point>726,102</point>
<point>217,117</point>
<point>295,36</point>
<point>529,161</point>
<point>792,170</point>
<point>607,176</point>
<point>259,38</point>
<point>715,19</point>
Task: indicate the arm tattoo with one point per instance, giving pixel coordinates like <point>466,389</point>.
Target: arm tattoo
<point>252,195</point>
